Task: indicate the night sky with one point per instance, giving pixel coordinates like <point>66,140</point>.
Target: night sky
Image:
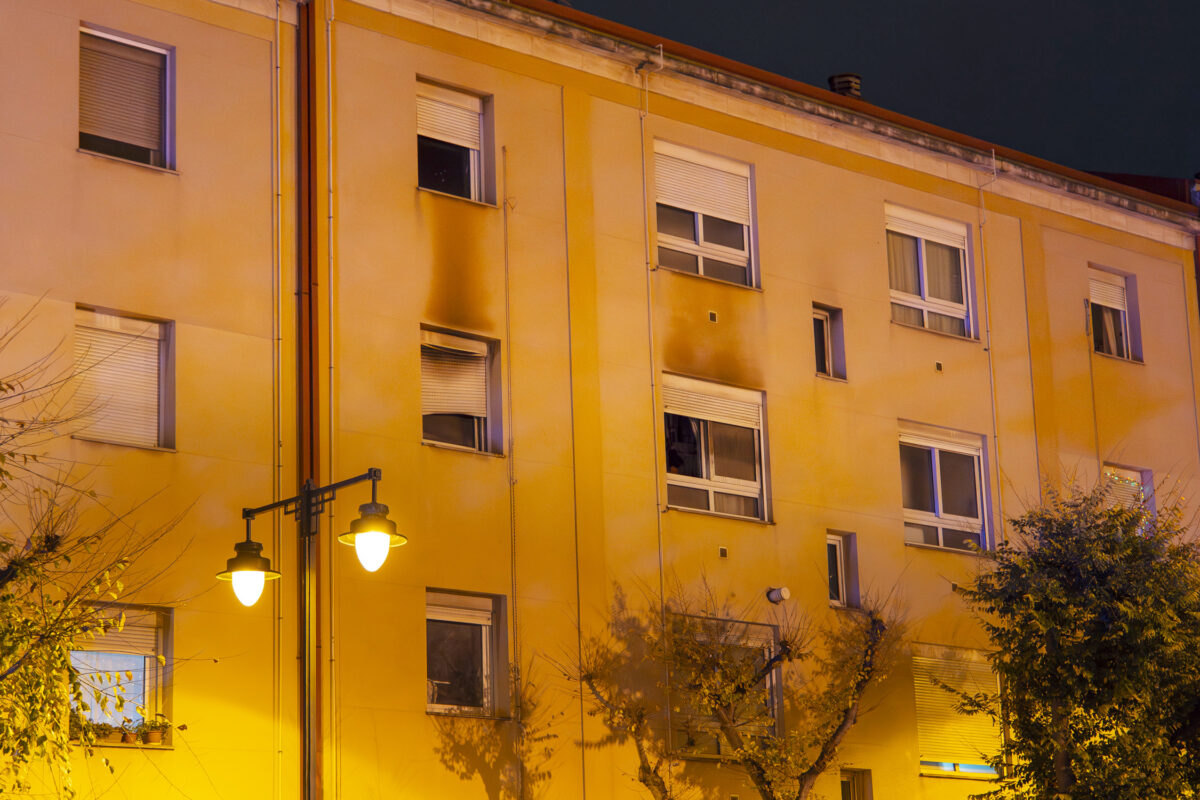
<point>1104,85</point>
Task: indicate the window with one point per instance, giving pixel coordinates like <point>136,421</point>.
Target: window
<point>1128,487</point>
<point>927,271</point>
<point>1112,314</point>
<point>841,555</point>
<point>124,98</point>
<point>460,653</point>
<point>123,366</point>
<point>856,784</point>
<point>703,214</point>
<point>450,142</point>
<point>456,401</point>
<point>714,447</point>
<point>942,489</point>
<point>729,653</point>
<point>950,742</point>
<point>128,663</point>
<point>828,342</point>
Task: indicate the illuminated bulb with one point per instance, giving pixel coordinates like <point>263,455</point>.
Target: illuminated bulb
<point>248,586</point>
<point>372,549</point>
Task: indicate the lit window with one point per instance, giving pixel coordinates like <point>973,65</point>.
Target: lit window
<point>1128,487</point>
<point>942,491</point>
<point>927,271</point>
<point>450,142</point>
<point>456,399</point>
<point>1109,298</point>
<point>123,369</point>
<point>703,212</point>
<point>856,784</point>
<point>126,664</point>
<point>124,98</point>
<point>714,449</point>
<point>950,742</point>
<point>460,653</point>
<point>828,341</point>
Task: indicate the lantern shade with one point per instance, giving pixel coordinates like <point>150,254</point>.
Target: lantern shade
<point>372,536</point>
<point>248,570</point>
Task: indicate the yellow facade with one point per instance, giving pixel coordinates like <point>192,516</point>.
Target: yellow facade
<point>557,271</point>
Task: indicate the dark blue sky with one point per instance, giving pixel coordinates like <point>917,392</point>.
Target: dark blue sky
<point>1106,85</point>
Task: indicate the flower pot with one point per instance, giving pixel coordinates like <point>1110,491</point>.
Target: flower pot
<point>153,737</point>
<point>128,737</point>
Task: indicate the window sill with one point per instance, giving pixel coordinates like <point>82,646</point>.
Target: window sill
<point>459,197</point>
<point>832,378</point>
<point>959,776</point>
<point>151,448</point>
<point>465,714</point>
<point>128,745</point>
<point>1139,362</point>
<point>458,449</point>
<point>718,281</point>
<point>119,160</point>
<point>943,334</point>
<point>718,515</point>
<point>940,549</point>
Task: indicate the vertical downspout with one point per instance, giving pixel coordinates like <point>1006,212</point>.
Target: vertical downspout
<point>308,431</point>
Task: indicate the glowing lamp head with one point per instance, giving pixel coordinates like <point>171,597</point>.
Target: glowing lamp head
<point>372,535</point>
<point>248,570</point>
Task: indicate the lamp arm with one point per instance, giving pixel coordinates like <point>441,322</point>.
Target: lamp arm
<point>319,494</point>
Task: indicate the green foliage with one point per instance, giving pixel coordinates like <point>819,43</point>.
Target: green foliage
<point>1094,615</point>
<point>691,678</point>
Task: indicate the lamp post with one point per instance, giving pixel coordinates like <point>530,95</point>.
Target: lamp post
<point>372,535</point>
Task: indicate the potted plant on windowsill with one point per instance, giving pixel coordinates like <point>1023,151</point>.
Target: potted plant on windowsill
<point>129,733</point>
<point>152,730</point>
<point>105,733</point>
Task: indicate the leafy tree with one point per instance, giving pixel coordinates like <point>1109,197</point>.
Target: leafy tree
<point>688,678</point>
<point>1094,615</point>
<point>63,556</point>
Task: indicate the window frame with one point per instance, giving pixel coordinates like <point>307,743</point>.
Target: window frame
<point>838,543</point>
<point>167,107</point>
<point>962,444</point>
<point>677,390</point>
<point>165,366</point>
<point>698,246</point>
<point>479,178</point>
<point>953,666</point>
<point>859,782</point>
<point>1098,295</point>
<point>488,434</point>
<point>833,323</point>
<point>927,227</point>
<point>468,609</point>
<point>1120,477</point>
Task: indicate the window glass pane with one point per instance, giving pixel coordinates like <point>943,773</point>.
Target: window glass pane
<point>833,555</point>
<point>960,495</point>
<point>945,324</point>
<point>1108,331</point>
<point>687,497</point>
<point>903,272</point>
<point>676,222</point>
<point>733,451</point>
<point>916,477</point>
<point>736,504</point>
<point>458,429</point>
<point>961,540</point>
<point>443,167</point>
<point>907,315</point>
<point>725,233</point>
<point>943,272</point>
<point>921,534</point>
<point>93,668</point>
<point>673,259</point>
<point>820,342</point>
<point>724,271</point>
<point>454,663</point>
<point>684,446</point>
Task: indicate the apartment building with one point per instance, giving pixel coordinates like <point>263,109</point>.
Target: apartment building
<point>604,313</point>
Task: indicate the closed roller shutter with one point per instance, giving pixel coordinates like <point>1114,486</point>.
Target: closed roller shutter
<point>117,362</point>
<point>453,375</point>
<point>1106,289</point>
<point>448,116</point>
<point>944,735</point>
<point>699,184</point>
<point>121,90</point>
<point>1125,485</point>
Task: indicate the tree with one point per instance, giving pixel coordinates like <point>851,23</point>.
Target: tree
<point>692,677</point>
<point>63,557</point>
<point>1093,611</point>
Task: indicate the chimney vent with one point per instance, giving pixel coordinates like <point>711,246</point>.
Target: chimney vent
<point>846,83</point>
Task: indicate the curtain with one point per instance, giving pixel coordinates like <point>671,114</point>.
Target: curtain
<point>943,272</point>
<point>903,272</point>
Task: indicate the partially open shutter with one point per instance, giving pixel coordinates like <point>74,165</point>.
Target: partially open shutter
<point>692,398</point>
<point>1106,289</point>
<point>138,636</point>
<point>448,116</point>
<point>121,89</point>
<point>943,734</point>
<point>701,182</point>
<point>453,375</point>
<point>117,366</point>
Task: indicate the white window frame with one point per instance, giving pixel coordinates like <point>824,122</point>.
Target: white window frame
<point>926,227</point>
<point>473,610</point>
<point>838,542</point>
<point>964,444</point>
<point>949,743</point>
<point>443,114</point>
<point>730,405</point>
<point>126,335</point>
<point>167,110</point>
<point>487,433</point>
<point>1111,290</point>
<point>684,195</point>
<point>826,368</point>
<point>132,640</point>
